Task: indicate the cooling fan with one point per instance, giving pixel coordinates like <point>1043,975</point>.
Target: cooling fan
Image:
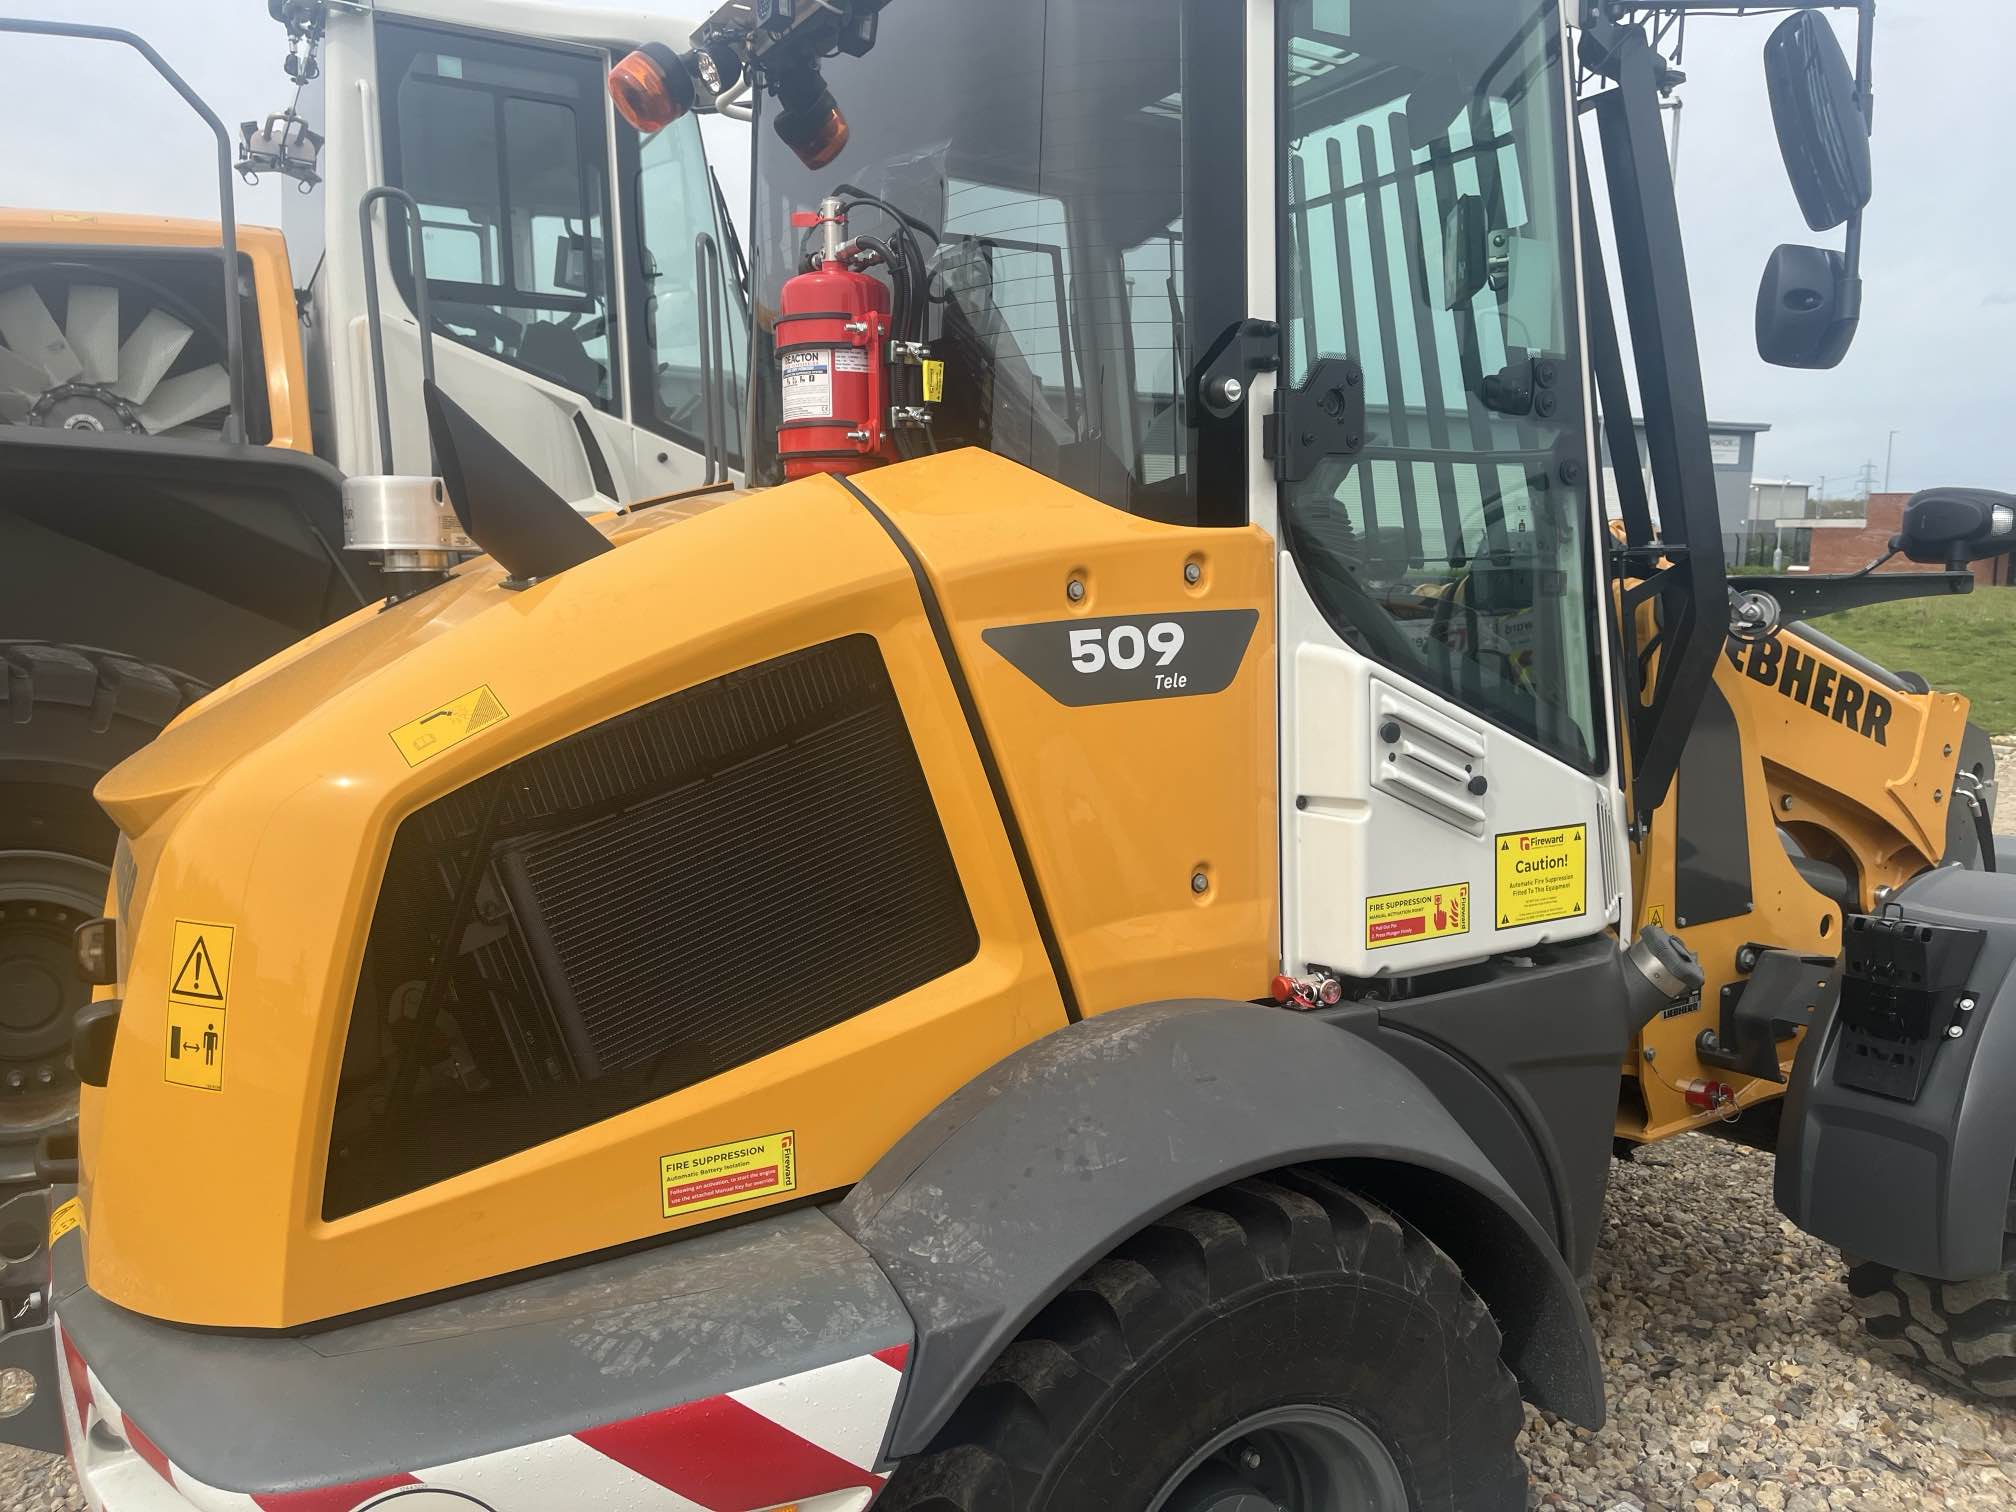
<point>91,348</point>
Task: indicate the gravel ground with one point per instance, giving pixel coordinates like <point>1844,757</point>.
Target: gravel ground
<point>1738,1379</point>
<point>2005,793</point>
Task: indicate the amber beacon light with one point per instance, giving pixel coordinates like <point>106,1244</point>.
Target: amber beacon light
<point>651,87</point>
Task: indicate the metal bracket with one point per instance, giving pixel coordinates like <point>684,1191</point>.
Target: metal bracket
<point>1324,417</point>
<point>1224,374</point>
<point>1783,992</point>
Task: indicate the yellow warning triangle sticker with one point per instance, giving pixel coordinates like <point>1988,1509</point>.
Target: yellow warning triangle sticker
<point>196,977</point>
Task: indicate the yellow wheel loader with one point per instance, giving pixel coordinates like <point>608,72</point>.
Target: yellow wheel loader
<point>172,457</point>
<point>1066,949</point>
<point>1831,831</point>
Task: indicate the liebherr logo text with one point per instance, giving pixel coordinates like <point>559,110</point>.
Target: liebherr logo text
<point>1127,658</point>
<point>1828,691</point>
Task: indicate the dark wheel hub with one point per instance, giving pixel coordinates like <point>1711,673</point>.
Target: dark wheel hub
<point>44,896</point>
<point>85,407</point>
<point>1289,1459</point>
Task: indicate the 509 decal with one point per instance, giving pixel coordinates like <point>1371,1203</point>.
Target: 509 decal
<point>1126,658</point>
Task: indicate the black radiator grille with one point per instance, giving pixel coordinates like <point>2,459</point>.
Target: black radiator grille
<point>669,894</point>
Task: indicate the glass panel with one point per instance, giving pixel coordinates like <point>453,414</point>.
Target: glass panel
<point>501,145</point>
<point>1059,152</point>
<point>1429,237</point>
<point>676,194</point>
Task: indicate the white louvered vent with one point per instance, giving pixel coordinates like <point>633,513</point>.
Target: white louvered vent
<point>1427,760</point>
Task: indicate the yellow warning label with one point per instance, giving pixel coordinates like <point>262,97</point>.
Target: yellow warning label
<point>455,721</point>
<point>721,1174</point>
<point>202,962</point>
<point>1542,876</point>
<point>198,994</point>
<point>1428,913</point>
<point>1656,914</point>
<point>195,1047</point>
<point>64,1219</point>
<point>934,382</point>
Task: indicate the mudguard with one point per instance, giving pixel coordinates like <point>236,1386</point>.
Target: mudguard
<point>1018,1182</point>
<point>1922,1184</point>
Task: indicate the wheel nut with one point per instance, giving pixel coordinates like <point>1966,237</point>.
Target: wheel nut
<point>1250,1458</point>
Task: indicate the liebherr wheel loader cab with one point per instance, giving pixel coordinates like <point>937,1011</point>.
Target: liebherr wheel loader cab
<point>1062,952</point>
<point>158,538</point>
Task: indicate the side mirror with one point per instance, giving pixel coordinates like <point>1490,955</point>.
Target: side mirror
<point>1950,527</point>
<point>1469,265</point>
<point>1823,133</point>
<point>1808,308</point>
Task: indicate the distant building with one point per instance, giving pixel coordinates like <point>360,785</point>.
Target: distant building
<point>1733,445</point>
<point>1785,521</point>
<point>1852,550</point>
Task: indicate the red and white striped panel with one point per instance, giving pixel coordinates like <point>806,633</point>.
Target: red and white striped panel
<point>808,1440</point>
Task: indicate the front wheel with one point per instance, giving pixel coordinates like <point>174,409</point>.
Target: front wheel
<point>1961,1331</point>
<point>1280,1344</point>
<point>68,715</point>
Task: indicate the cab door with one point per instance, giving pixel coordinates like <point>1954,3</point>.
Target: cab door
<point>1446,724</point>
<point>560,254</point>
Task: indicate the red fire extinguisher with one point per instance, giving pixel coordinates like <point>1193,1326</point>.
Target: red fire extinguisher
<point>833,330</point>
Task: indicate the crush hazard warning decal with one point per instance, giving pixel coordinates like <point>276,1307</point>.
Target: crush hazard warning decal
<point>199,992</point>
<point>720,1174</point>
<point>454,722</point>
<point>1428,913</point>
<point>1542,876</point>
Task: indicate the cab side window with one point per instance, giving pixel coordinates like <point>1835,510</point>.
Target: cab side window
<point>502,145</point>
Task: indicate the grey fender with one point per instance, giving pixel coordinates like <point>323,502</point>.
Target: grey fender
<point>1019,1181</point>
<point>1920,1186</point>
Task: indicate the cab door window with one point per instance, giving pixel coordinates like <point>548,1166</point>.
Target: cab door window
<point>1429,240</point>
<point>503,146</point>
<point>677,203</point>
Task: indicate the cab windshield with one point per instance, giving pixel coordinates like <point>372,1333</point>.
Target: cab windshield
<point>1073,171</point>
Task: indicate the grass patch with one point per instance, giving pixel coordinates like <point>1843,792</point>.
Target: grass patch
<point>1960,645</point>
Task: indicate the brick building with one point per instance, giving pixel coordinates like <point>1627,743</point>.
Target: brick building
<point>1852,550</point>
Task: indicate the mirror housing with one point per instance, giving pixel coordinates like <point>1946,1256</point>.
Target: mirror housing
<point>1466,252</point>
<point>1823,131</point>
<point>1809,307</point>
<point>1950,527</point>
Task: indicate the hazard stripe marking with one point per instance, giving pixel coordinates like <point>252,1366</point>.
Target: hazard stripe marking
<point>827,1407</point>
<point>561,1472</point>
<point>330,1498</point>
<point>724,1456</point>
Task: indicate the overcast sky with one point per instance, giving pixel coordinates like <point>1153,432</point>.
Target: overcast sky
<point>92,128</point>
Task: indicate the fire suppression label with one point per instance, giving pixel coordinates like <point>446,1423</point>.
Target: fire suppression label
<point>1542,876</point>
<point>1429,913</point>
<point>807,383</point>
<point>693,1180</point>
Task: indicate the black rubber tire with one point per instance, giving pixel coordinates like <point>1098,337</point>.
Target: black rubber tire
<point>1961,1331</point>
<point>68,715</point>
<point>1283,1290</point>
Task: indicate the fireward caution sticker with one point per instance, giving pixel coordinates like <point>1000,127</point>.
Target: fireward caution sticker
<point>64,1219</point>
<point>198,994</point>
<point>934,381</point>
<point>720,1174</point>
<point>1428,913</point>
<point>1542,876</point>
<point>435,731</point>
